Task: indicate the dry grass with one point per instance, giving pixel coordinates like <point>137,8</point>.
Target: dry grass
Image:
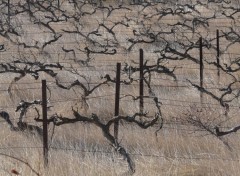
<point>81,149</point>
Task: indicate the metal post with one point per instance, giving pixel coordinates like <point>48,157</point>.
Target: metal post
<point>201,68</point>
<point>218,55</point>
<point>58,3</point>
<point>29,8</point>
<point>45,123</point>
<point>141,81</point>
<point>117,96</point>
<point>9,13</point>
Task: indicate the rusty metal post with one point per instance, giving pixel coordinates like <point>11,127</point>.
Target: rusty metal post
<point>58,3</point>
<point>29,7</point>
<point>201,67</point>
<point>141,81</point>
<point>9,13</point>
<point>45,122</point>
<point>117,97</point>
<point>218,55</point>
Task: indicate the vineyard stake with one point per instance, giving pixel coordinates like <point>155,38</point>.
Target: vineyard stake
<point>201,68</point>
<point>9,13</point>
<point>117,96</point>
<point>141,81</point>
<point>45,122</point>
<point>218,55</point>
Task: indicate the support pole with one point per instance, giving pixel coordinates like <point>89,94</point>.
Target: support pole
<point>117,97</point>
<point>9,13</point>
<point>218,55</point>
<point>141,82</point>
<point>29,7</point>
<point>201,67</point>
<point>45,123</point>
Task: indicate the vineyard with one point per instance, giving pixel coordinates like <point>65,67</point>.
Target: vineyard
<point>132,87</point>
